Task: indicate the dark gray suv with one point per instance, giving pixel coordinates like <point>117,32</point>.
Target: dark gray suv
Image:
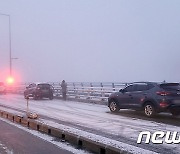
<point>150,97</point>
<point>39,91</point>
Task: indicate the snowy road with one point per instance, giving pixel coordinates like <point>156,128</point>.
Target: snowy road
<point>124,126</point>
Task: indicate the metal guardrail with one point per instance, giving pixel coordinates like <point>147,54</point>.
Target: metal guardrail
<point>92,91</point>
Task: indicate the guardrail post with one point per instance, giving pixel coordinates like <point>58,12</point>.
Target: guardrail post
<point>82,85</point>
<point>75,91</point>
<point>59,91</point>
<point>91,89</point>
<point>102,92</point>
<point>89,92</point>
<point>113,86</point>
<point>74,86</point>
<point>101,84</point>
<point>82,89</point>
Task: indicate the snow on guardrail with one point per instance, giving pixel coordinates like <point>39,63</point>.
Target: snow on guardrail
<point>92,91</point>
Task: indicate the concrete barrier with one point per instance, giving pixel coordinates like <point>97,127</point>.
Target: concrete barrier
<point>17,119</point>
<point>33,124</point>
<point>44,128</point>
<point>10,117</point>
<point>80,142</point>
<point>24,122</point>
<point>71,138</point>
<point>5,115</point>
<point>1,113</point>
<point>56,132</point>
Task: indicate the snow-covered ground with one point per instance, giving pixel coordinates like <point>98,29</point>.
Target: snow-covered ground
<point>95,118</point>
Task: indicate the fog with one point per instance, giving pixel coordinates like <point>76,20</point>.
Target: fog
<point>91,40</point>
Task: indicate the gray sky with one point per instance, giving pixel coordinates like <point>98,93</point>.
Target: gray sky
<point>92,40</point>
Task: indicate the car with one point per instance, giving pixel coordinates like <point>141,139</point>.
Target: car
<point>2,88</point>
<point>149,97</point>
<point>39,91</point>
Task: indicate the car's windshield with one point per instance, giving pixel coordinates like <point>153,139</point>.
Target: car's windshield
<point>170,86</point>
<point>43,85</point>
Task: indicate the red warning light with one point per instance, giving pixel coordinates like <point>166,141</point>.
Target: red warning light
<point>10,80</point>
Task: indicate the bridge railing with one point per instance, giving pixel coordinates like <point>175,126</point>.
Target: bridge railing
<point>89,91</point>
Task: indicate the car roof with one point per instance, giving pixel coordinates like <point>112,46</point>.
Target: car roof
<point>37,83</point>
<point>169,83</point>
<point>142,83</point>
<point>156,83</point>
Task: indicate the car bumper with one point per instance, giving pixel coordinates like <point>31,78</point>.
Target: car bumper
<point>174,108</point>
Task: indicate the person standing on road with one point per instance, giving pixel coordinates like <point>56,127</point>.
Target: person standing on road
<point>64,89</point>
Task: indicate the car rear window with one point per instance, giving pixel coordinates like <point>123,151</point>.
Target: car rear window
<point>144,87</point>
<point>170,86</point>
<point>43,86</point>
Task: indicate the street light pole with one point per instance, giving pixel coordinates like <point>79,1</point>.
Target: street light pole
<point>10,54</point>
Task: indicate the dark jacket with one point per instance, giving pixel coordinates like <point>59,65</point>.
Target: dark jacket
<point>64,87</point>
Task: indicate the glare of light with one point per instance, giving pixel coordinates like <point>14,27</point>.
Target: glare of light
<point>10,80</point>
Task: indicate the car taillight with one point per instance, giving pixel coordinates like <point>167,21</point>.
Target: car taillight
<point>163,104</point>
<point>163,93</point>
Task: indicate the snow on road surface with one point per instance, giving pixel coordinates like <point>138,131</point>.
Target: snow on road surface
<point>4,149</point>
<point>96,117</point>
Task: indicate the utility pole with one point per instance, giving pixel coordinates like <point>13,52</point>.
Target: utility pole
<point>10,52</point>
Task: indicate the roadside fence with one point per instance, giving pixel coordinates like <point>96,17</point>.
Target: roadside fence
<point>78,90</point>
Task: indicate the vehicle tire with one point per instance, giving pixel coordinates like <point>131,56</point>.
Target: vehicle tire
<point>25,96</point>
<point>175,113</point>
<point>149,110</point>
<point>51,97</point>
<point>34,97</point>
<point>113,106</point>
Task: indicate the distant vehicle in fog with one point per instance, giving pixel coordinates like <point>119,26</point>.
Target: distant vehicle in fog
<point>39,91</point>
<point>149,97</point>
<point>2,88</point>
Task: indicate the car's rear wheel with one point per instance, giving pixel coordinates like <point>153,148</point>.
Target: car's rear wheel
<point>149,110</point>
<point>51,97</point>
<point>113,106</point>
<point>175,113</point>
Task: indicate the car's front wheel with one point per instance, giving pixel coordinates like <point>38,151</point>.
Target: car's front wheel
<point>113,106</point>
<point>25,96</point>
<point>35,97</point>
<point>149,110</point>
